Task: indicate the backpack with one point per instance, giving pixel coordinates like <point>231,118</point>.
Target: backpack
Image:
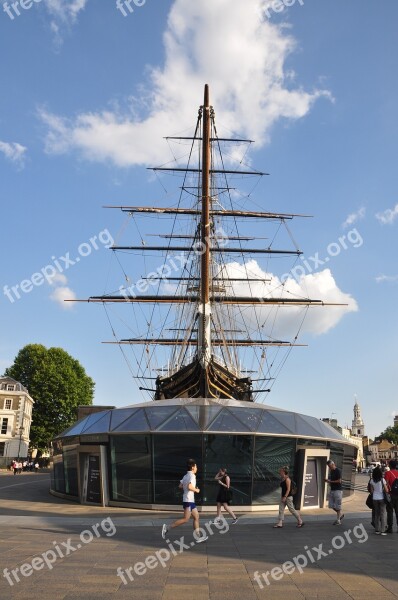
<point>394,487</point>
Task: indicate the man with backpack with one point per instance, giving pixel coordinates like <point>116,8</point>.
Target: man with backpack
<point>391,478</point>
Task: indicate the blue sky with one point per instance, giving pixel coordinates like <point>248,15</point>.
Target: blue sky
<point>88,94</point>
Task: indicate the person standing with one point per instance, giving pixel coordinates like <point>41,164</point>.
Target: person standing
<point>336,491</point>
<point>188,485</point>
<point>287,499</point>
<point>392,507</point>
<point>224,495</point>
<point>378,485</point>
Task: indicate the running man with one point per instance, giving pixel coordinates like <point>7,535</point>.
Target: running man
<point>188,484</point>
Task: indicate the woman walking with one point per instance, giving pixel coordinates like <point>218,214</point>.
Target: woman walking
<point>224,494</point>
<point>287,499</point>
<point>378,485</point>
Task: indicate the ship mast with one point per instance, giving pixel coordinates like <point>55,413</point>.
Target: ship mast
<point>204,337</point>
<point>209,372</point>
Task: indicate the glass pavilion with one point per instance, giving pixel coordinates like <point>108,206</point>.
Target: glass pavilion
<point>136,456</point>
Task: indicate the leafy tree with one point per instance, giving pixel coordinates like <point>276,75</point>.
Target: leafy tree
<point>57,383</point>
<point>390,434</point>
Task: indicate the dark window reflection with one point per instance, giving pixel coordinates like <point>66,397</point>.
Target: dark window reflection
<point>70,464</point>
<point>131,468</point>
<point>171,453</point>
<point>270,455</point>
<point>235,453</point>
<point>58,474</point>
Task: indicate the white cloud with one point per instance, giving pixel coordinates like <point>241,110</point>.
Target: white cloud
<point>60,294</point>
<point>387,217</point>
<point>222,43</point>
<point>58,279</point>
<point>354,217</point>
<point>14,152</point>
<point>64,13</point>
<point>65,10</point>
<point>386,278</point>
<point>284,321</point>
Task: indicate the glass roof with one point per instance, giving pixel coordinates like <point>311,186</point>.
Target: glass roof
<point>201,414</point>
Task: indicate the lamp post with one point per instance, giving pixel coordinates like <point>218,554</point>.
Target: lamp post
<point>21,430</point>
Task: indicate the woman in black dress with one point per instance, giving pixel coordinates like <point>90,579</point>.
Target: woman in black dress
<point>224,494</point>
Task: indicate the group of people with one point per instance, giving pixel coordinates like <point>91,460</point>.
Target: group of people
<point>385,498</point>
<point>188,485</point>
<point>17,466</point>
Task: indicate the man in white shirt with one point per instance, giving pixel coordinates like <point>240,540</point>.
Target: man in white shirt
<point>188,485</point>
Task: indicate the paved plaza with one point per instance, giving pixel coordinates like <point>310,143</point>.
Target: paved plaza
<point>56,549</point>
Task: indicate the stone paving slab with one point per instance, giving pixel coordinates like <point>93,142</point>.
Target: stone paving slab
<point>229,566</point>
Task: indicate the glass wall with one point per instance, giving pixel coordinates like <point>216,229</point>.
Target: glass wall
<point>70,466</point>
<point>146,468</point>
<point>171,453</point>
<point>235,452</point>
<point>57,474</point>
<point>270,455</point>
<point>131,468</point>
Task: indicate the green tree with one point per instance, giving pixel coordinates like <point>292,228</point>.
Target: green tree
<point>390,434</point>
<point>57,383</point>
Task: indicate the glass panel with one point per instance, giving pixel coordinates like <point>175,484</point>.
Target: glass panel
<point>312,443</point>
<point>328,431</point>
<point>91,419</point>
<point>194,412</point>
<point>288,419</point>
<point>269,424</point>
<point>157,414</point>
<point>207,415</point>
<point>119,415</point>
<point>306,426</point>
<point>58,475</point>
<point>270,455</point>
<point>76,428</point>
<point>137,422</point>
<point>227,422</point>
<point>250,417</point>
<point>171,453</point>
<point>131,468</point>
<point>70,465</point>
<point>100,426</point>
<point>349,470</point>
<point>234,452</point>
<point>179,421</point>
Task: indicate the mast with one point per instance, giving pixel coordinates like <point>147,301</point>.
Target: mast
<point>204,338</point>
<point>207,362</point>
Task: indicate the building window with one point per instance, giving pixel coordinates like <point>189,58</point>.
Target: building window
<point>4,427</point>
<point>10,387</point>
<point>2,448</point>
<point>7,403</point>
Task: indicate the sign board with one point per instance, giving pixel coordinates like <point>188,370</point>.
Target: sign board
<point>311,492</point>
<point>94,480</point>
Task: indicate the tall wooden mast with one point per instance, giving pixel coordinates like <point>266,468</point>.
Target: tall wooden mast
<point>204,338</point>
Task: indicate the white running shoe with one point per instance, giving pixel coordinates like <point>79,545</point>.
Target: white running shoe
<point>164,530</point>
